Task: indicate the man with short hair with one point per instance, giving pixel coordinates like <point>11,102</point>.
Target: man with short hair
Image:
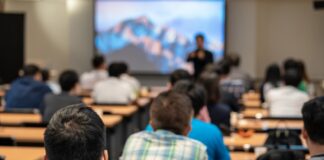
<point>69,82</point>
<point>75,133</point>
<point>177,75</point>
<point>99,73</point>
<point>313,132</point>
<point>287,100</point>
<point>113,90</point>
<point>132,81</point>
<point>27,91</point>
<point>170,117</point>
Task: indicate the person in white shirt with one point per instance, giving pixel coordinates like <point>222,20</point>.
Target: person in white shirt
<point>287,101</point>
<point>113,90</point>
<point>89,79</point>
<point>135,84</point>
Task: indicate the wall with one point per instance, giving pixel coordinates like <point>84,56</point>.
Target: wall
<point>59,33</point>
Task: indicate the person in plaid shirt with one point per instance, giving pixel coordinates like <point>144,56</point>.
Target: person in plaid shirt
<point>171,115</point>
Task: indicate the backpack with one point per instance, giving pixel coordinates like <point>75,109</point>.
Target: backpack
<point>282,155</point>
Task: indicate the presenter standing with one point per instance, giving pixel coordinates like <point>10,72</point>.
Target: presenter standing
<point>200,57</point>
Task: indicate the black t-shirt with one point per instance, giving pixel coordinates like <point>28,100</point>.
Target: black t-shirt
<point>200,63</point>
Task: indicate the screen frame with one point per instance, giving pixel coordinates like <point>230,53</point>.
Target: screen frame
<point>148,73</point>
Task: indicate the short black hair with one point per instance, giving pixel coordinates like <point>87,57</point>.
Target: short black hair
<point>200,35</point>
<point>292,77</point>
<point>223,67</point>
<point>234,59</point>
<point>194,91</point>
<point>97,61</point>
<point>68,79</point>
<point>31,70</point>
<point>124,67</point>
<point>179,74</point>
<point>45,75</point>
<point>313,117</point>
<point>273,74</point>
<point>171,111</point>
<point>290,63</point>
<point>115,69</point>
<point>75,132</point>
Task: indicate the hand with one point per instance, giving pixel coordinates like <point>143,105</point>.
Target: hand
<point>201,55</point>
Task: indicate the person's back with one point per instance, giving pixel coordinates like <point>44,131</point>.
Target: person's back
<point>237,73</point>
<point>75,133</point>
<point>287,100</point>
<point>113,90</point>
<point>69,83</point>
<point>170,119</point>
<point>132,81</point>
<point>27,91</point>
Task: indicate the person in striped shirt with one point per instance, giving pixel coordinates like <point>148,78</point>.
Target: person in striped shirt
<point>171,114</point>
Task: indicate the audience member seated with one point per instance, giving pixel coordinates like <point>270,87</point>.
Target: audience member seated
<point>113,90</point>
<point>233,86</point>
<point>236,72</point>
<point>306,85</point>
<point>75,133</point>
<point>287,101</point>
<point>220,113</point>
<point>177,75</point>
<point>313,132</point>
<point>272,80</point>
<point>135,84</point>
<point>46,78</point>
<point>213,139</point>
<point>99,73</point>
<point>69,82</point>
<point>170,116</point>
<point>27,91</point>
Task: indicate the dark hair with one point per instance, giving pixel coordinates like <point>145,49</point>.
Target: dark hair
<point>124,67</point>
<point>234,59</point>
<point>179,74</point>
<point>195,92</point>
<point>292,77</point>
<point>68,79</point>
<point>223,67</point>
<point>290,63</point>
<point>115,69</point>
<point>302,69</point>
<point>171,111</point>
<point>313,117</point>
<point>31,70</point>
<point>273,74</point>
<point>200,35</point>
<point>210,81</point>
<point>75,132</point>
<point>45,75</point>
<point>97,61</point>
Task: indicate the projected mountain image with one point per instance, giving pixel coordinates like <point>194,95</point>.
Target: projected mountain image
<point>163,46</point>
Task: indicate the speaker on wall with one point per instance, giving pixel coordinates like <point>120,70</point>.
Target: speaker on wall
<point>319,4</point>
<point>11,45</point>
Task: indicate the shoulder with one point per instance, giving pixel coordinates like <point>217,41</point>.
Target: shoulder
<point>212,129</point>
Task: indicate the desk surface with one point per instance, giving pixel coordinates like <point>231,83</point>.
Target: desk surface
<point>255,112</point>
<point>118,110</point>
<point>14,118</point>
<point>242,156</point>
<point>264,124</point>
<point>111,120</point>
<point>236,140</point>
<point>24,134</point>
<point>22,153</point>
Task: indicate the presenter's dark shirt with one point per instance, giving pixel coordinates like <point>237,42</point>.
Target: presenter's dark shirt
<point>199,64</point>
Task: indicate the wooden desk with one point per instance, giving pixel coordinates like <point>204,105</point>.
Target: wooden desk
<point>264,124</point>
<point>111,121</point>
<point>24,134</point>
<point>87,100</point>
<point>22,153</point>
<point>16,119</point>
<point>242,156</point>
<point>236,140</point>
<point>252,103</point>
<point>255,112</point>
<point>118,110</point>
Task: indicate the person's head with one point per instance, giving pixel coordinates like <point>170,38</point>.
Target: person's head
<point>98,62</point>
<point>290,63</point>
<point>45,75</point>
<point>292,77</point>
<point>115,69</point>
<point>33,71</point>
<point>69,81</point>
<point>273,74</point>
<point>179,74</point>
<point>75,132</point>
<point>302,69</point>
<point>200,41</point>
<point>223,68</point>
<point>172,112</point>
<point>124,67</point>
<point>313,117</point>
<point>194,91</point>
<point>234,59</point>
<point>211,83</point>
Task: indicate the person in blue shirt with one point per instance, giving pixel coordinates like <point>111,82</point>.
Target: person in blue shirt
<point>206,133</point>
<point>27,91</point>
